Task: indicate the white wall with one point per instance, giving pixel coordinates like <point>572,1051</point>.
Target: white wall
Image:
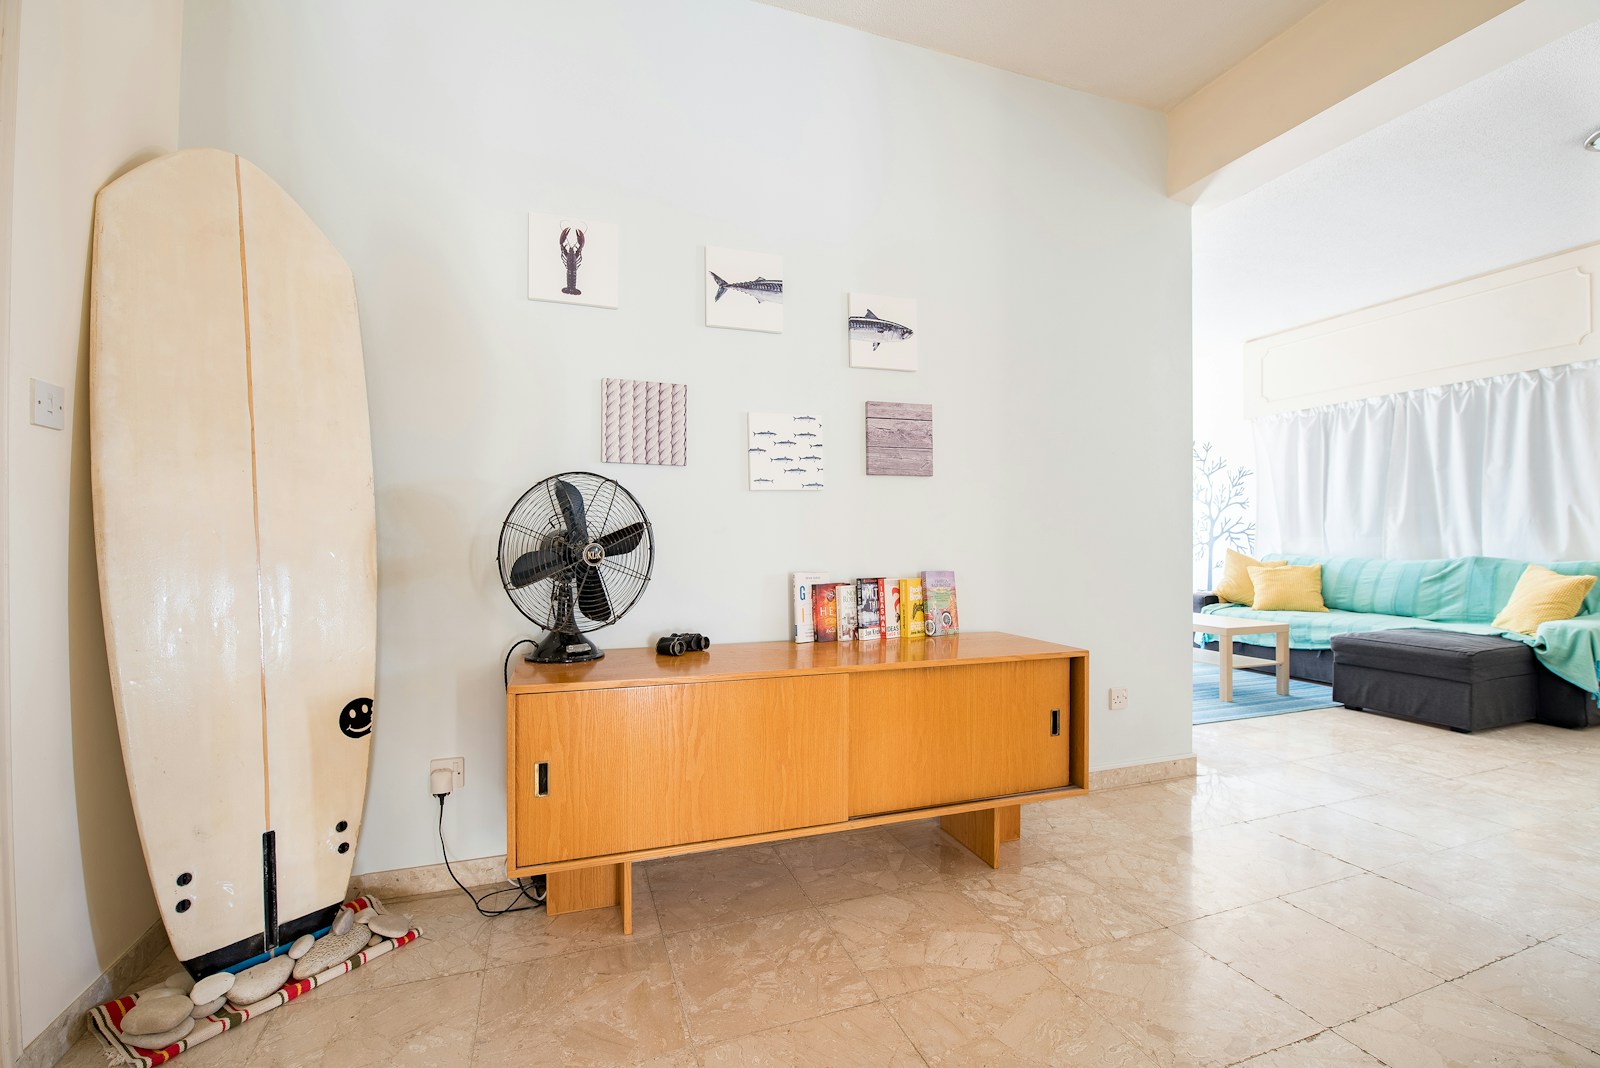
<point>1029,221</point>
<point>1488,176</point>
<point>97,92</point>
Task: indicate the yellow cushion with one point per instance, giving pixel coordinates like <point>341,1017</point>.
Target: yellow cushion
<point>1235,585</point>
<point>1288,588</point>
<point>1542,596</point>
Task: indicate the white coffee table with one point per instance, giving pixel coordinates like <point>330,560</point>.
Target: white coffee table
<point>1225,628</point>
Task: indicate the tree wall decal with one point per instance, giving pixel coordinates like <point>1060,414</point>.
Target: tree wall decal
<point>1221,509</point>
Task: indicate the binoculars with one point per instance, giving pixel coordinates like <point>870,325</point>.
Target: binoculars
<point>678,644</point>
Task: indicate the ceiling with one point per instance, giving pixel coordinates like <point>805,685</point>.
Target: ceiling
<point>1148,52</point>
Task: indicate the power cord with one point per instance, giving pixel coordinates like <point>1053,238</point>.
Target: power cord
<point>506,674</point>
<point>532,889</point>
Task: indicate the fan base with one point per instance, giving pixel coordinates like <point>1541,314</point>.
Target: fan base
<point>564,647</point>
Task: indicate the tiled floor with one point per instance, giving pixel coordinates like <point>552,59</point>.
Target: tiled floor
<point>1334,889</point>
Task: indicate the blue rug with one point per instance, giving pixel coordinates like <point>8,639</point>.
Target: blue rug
<point>1254,695</point>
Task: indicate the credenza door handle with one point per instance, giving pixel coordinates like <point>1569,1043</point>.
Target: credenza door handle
<point>541,778</point>
<point>1055,722</point>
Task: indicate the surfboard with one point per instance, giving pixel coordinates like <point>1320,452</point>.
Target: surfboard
<point>231,463</point>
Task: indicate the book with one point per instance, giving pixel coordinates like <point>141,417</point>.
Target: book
<point>891,609</point>
<point>800,584</point>
<point>913,610</point>
<point>869,609</point>
<point>825,611</point>
<point>939,590</point>
<point>845,599</point>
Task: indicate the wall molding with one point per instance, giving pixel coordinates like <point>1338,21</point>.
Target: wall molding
<point>1544,313</point>
<point>51,1044</point>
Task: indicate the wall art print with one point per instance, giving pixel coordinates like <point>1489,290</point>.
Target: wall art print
<point>573,260</point>
<point>644,422</point>
<point>744,290</point>
<point>882,332</point>
<point>1221,510</point>
<point>899,439</point>
<point>786,452</point>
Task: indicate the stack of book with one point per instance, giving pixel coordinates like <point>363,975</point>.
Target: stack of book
<point>873,609</point>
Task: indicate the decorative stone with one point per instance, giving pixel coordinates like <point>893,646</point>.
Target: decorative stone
<point>253,984</point>
<point>366,915</point>
<point>156,1015</point>
<point>180,980</point>
<point>200,1012</point>
<point>391,925</point>
<point>211,988</point>
<point>332,949</point>
<point>375,940</point>
<point>165,1038</point>
<point>342,922</point>
<point>160,991</point>
<point>301,946</point>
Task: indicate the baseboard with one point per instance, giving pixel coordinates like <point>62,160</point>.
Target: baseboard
<point>51,1044</point>
<point>1134,774</point>
<point>428,878</point>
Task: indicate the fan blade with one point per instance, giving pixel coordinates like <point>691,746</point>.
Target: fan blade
<point>622,540</point>
<point>571,504</point>
<point>592,599</point>
<point>533,566</point>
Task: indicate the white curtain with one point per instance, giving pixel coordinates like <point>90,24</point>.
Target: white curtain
<point>1505,466</point>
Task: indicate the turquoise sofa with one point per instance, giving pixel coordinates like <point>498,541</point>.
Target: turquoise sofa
<point>1464,594</point>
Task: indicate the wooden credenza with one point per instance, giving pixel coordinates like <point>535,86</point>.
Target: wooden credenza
<point>639,756</point>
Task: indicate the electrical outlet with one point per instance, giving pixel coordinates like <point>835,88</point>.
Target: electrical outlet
<point>49,406</point>
<point>1119,697</point>
<point>457,766</point>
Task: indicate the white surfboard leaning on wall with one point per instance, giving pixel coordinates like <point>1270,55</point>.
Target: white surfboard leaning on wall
<point>234,526</point>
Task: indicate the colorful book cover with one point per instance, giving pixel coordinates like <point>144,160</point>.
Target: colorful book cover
<point>845,598</point>
<point>800,584</point>
<point>825,611</point>
<point>869,609</point>
<point>939,588</point>
<point>891,609</point>
<point>913,610</point>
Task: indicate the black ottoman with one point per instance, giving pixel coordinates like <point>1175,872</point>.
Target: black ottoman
<point>1466,682</point>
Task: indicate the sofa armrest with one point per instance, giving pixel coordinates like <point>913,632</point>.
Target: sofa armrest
<point>1203,598</point>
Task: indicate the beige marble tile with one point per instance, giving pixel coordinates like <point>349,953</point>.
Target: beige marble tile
<point>1551,782</point>
<point>1158,877</point>
<point>613,1006</point>
<point>1447,940</point>
<point>937,850</point>
<point>918,938</point>
<point>1452,1026</point>
<point>1049,908</point>
<point>1350,839</point>
<point>1453,756</point>
<point>1326,973</point>
<point>836,867</point>
<point>453,941</point>
<point>1266,864</point>
<point>1326,1050</point>
<point>227,1050</point>
<point>1584,941</point>
<point>1372,767</point>
<point>1548,985</point>
<point>1308,784</point>
<point>1519,898</point>
<point>1440,824</point>
<point>527,936</point>
<point>721,887</point>
<point>864,1037</point>
<point>1563,856</point>
<point>1016,1016</point>
<point>744,977</point>
<point>1134,774</point>
<point>1181,1006</point>
<point>421,1025</point>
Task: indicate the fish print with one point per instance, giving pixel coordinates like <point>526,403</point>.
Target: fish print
<point>763,290</point>
<point>813,456</point>
<point>869,327</point>
<point>786,443</point>
<point>810,485</point>
<point>794,470</point>
<point>805,419</point>
<point>804,434</point>
<point>781,459</point>
<point>766,434</point>
<point>763,480</point>
<point>758,448</point>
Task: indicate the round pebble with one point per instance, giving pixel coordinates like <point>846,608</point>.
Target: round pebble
<point>332,949</point>
<point>265,979</point>
<point>164,1039</point>
<point>366,915</point>
<point>391,925</point>
<point>301,947</point>
<point>374,940</point>
<point>211,988</point>
<point>180,980</point>
<point>342,922</point>
<point>156,1015</point>
<point>200,1012</point>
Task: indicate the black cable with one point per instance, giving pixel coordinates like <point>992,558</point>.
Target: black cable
<point>523,889</point>
<point>506,674</point>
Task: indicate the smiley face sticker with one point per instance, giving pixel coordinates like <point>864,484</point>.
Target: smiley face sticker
<point>356,718</point>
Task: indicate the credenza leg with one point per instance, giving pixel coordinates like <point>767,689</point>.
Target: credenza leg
<point>599,887</point>
<point>1010,822</point>
<point>979,831</point>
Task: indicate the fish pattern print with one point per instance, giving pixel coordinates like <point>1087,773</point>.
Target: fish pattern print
<point>785,452</point>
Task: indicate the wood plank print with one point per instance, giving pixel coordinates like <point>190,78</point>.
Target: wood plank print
<point>899,439</point>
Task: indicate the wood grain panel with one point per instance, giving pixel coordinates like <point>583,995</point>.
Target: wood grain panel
<point>645,766</point>
<point>899,439</point>
<point>978,830</point>
<point>941,735</point>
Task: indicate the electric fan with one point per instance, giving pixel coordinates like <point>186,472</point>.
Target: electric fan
<point>575,554</point>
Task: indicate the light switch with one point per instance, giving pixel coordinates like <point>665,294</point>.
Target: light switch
<point>49,405</point>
